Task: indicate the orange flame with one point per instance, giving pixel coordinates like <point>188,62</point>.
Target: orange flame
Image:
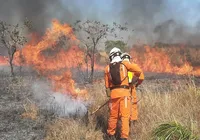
<point>54,60</point>
<point>156,60</point>
<point>3,61</point>
<point>51,57</point>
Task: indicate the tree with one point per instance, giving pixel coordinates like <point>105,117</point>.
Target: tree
<point>91,33</point>
<point>119,44</point>
<point>11,38</point>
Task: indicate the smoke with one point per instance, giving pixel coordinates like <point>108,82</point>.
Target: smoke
<point>164,21</point>
<point>39,12</point>
<point>4,70</point>
<point>60,104</point>
<point>167,21</point>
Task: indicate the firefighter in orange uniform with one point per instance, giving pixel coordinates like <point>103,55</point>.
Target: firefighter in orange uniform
<point>117,87</point>
<point>133,84</point>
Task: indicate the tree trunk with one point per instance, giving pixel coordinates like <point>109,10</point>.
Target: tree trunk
<point>92,65</point>
<point>11,67</point>
<point>87,73</point>
<point>21,62</point>
<point>11,53</point>
<point>92,70</point>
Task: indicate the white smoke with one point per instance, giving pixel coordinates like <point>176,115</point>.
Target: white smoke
<point>60,104</point>
<point>4,68</point>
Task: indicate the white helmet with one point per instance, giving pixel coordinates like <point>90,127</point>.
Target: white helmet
<point>114,52</point>
<point>126,56</point>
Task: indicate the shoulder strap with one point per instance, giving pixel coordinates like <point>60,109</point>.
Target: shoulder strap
<point>126,70</point>
<point>125,76</point>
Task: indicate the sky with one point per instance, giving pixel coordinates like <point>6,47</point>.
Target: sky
<point>107,10</point>
<point>167,21</point>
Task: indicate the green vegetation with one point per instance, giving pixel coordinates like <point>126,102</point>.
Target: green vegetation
<point>119,44</point>
<point>172,131</point>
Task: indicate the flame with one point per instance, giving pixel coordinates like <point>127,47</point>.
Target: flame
<point>3,61</point>
<point>55,55</point>
<point>156,60</point>
<point>51,58</point>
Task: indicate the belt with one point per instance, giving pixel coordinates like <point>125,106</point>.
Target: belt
<point>123,86</point>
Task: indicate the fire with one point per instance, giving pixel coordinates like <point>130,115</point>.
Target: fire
<point>55,55</point>
<point>52,58</point>
<point>156,60</point>
<point>3,61</point>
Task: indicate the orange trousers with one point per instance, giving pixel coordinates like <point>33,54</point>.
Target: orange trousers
<point>134,108</point>
<point>119,109</point>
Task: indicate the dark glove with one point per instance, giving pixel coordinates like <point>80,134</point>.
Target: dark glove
<point>139,82</point>
<point>137,85</point>
<point>134,80</point>
<point>108,92</point>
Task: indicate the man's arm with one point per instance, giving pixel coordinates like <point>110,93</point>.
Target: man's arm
<point>107,84</point>
<point>133,68</point>
<point>140,80</point>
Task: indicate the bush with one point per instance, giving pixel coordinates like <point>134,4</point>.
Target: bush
<point>172,131</point>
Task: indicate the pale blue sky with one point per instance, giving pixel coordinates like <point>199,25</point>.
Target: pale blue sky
<point>152,20</point>
<point>187,10</point>
<point>175,20</point>
<point>184,10</point>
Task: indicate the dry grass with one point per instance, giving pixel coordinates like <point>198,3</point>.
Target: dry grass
<point>178,54</point>
<point>80,129</point>
<point>180,104</point>
<point>31,111</point>
<point>15,107</point>
<point>161,101</point>
<point>70,129</point>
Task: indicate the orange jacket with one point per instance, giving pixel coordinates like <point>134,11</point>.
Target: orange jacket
<point>121,92</point>
<point>140,80</point>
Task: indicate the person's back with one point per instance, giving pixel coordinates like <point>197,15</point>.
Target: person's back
<point>119,94</point>
<point>133,84</point>
<point>122,89</point>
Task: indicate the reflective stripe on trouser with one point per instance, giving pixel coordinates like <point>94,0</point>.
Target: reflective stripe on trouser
<point>119,109</point>
<point>134,108</point>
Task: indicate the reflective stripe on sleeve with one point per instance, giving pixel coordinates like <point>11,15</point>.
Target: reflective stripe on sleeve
<point>126,101</point>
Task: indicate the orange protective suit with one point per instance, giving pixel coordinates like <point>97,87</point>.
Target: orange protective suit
<point>120,99</point>
<point>134,108</point>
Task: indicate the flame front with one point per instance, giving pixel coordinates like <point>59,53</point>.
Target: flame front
<point>3,61</point>
<point>55,55</point>
<point>51,58</point>
<point>156,60</point>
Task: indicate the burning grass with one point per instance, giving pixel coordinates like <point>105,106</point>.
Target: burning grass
<point>89,127</point>
<point>169,60</point>
<point>162,101</point>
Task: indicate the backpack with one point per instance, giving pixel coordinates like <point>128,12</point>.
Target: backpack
<point>115,75</point>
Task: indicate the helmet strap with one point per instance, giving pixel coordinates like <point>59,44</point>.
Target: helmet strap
<point>114,55</point>
<point>126,57</point>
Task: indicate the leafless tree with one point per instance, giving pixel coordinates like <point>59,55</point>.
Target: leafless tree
<point>11,38</point>
<point>91,33</point>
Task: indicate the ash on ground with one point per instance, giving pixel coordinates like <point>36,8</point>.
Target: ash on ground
<point>16,93</point>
